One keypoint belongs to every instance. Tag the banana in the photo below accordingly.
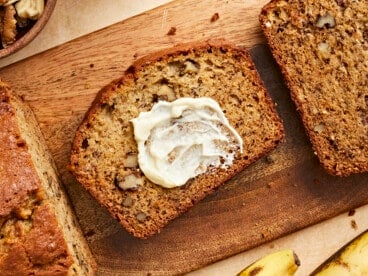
(352, 259)
(281, 263)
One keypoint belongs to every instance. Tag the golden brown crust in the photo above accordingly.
(42, 250)
(19, 182)
(169, 203)
(336, 131)
(32, 239)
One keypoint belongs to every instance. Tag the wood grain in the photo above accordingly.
(271, 198)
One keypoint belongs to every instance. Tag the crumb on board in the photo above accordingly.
(172, 31)
(91, 65)
(270, 159)
(215, 17)
(354, 224)
(351, 213)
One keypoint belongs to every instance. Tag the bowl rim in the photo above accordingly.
(31, 33)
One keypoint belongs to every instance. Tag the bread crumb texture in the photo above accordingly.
(36, 224)
(104, 153)
(322, 49)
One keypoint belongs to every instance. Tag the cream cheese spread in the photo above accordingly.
(181, 139)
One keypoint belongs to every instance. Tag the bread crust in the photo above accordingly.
(208, 181)
(15, 188)
(340, 165)
(32, 240)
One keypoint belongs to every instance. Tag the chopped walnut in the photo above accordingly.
(326, 21)
(7, 2)
(16, 14)
(9, 24)
(166, 93)
(129, 181)
(319, 128)
(191, 66)
(128, 201)
(141, 217)
(31, 9)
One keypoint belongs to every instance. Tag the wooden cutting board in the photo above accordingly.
(276, 196)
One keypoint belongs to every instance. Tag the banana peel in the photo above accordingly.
(352, 259)
(281, 263)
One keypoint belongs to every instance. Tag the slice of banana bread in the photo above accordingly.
(104, 153)
(322, 49)
(39, 234)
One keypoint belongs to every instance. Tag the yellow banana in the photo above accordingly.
(281, 263)
(351, 260)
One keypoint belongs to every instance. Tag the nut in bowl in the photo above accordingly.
(21, 21)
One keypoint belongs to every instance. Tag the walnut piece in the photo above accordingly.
(319, 128)
(323, 47)
(7, 2)
(130, 181)
(31, 9)
(167, 92)
(326, 21)
(16, 13)
(9, 26)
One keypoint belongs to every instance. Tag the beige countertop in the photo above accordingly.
(74, 18)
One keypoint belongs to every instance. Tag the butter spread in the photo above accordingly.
(181, 139)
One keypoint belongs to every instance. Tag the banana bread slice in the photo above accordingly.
(322, 49)
(104, 153)
(39, 234)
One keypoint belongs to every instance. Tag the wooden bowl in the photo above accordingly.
(30, 34)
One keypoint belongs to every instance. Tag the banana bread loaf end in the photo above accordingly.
(39, 234)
